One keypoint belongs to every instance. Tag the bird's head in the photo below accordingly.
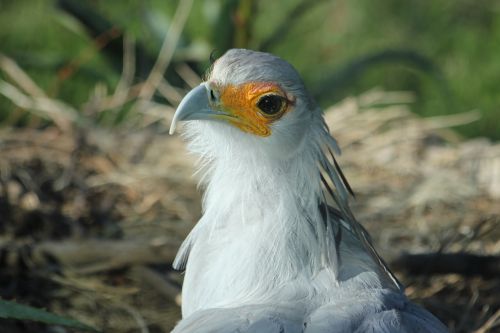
(250, 96)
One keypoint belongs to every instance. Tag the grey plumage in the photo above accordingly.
(269, 254)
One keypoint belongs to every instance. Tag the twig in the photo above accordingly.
(127, 77)
(171, 94)
(491, 323)
(459, 119)
(61, 114)
(91, 256)
(29, 86)
(188, 75)
(167, 49)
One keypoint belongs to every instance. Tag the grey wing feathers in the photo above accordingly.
(244, 319)
(413, 320)
(381, 312)
(183, 255)
(339, 192)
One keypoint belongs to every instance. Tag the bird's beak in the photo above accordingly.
(196, 106)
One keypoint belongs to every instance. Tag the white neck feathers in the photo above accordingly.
(261, 226)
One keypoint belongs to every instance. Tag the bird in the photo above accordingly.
(277, 248)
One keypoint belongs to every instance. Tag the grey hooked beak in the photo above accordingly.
(201, 103)
(193, 106)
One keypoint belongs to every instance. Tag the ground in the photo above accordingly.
(91, 216)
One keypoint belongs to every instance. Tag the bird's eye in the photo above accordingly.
(271, 104)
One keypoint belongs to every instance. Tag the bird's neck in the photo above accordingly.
(260, 230)
(276, 197)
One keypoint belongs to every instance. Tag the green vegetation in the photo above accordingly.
(12, 310)
(460, 37)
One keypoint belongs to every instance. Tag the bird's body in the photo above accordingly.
(269, 254)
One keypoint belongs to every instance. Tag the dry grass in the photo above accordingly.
(91, 216)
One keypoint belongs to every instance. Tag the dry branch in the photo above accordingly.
(24, 81)
(92, 255)
(167, 49)
(490, 324)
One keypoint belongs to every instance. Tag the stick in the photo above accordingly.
(92, 256)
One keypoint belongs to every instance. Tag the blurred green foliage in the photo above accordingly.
(15, 311)
(320, 37)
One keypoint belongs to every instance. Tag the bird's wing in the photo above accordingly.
(262, 318)
(357, 311)
(375, 311)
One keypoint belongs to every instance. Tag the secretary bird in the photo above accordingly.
(270, 254)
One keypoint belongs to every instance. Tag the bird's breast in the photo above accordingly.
(243, 263)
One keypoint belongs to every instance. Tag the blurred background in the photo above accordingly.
(95, 197)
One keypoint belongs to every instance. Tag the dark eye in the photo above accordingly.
(271, 104)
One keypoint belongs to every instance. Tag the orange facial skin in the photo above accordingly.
(240, 102)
